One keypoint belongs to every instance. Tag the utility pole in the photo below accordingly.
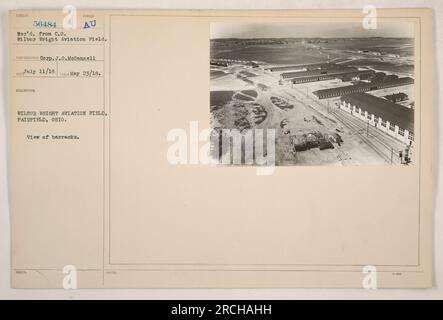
(367, 130)
(392, 155)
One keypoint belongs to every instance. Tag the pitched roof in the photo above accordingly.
(387, 110)
(319, 72)
(364, 87)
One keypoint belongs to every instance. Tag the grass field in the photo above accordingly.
(248, 74)
(291, 54)
(220, 98)
(382, 65)
(251, 93)
(242, 97)
(216, 74)
(297, 52)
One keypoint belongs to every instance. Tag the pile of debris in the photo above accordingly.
(259, 113)
(282, 104)
(315, 139)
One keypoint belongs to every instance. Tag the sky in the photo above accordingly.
(310, 30)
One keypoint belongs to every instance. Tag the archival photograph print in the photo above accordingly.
(313, 93)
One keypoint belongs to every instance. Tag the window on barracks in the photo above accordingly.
(392, 127)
